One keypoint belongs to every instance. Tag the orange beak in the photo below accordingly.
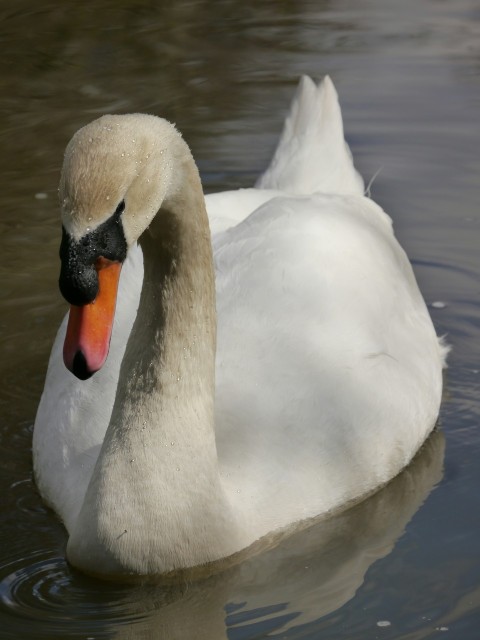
(90, 326)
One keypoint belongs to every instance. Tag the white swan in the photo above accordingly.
(328, 369)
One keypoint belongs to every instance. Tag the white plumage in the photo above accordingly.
(328, 371)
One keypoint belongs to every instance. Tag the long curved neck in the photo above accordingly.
(155, 502)
(167, 376)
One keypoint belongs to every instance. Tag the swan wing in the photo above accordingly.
(328, 366)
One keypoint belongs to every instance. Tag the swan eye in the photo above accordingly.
(120, 209)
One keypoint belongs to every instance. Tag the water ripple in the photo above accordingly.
(31, 590)
(45, 591)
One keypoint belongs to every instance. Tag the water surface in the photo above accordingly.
(406, 563)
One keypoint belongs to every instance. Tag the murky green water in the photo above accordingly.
(406, 563)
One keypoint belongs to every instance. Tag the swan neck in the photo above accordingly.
(155, 501)
(167, 378)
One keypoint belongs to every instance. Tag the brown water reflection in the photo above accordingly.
(409, 81)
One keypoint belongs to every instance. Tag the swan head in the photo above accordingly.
(117, 173)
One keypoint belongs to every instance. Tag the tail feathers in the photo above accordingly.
(312, 154)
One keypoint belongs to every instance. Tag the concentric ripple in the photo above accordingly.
(46, 595)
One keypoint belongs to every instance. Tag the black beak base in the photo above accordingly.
(78, 277)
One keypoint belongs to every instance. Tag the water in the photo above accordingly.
(409, 80)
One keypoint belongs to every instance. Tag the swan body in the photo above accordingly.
(323, 380)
